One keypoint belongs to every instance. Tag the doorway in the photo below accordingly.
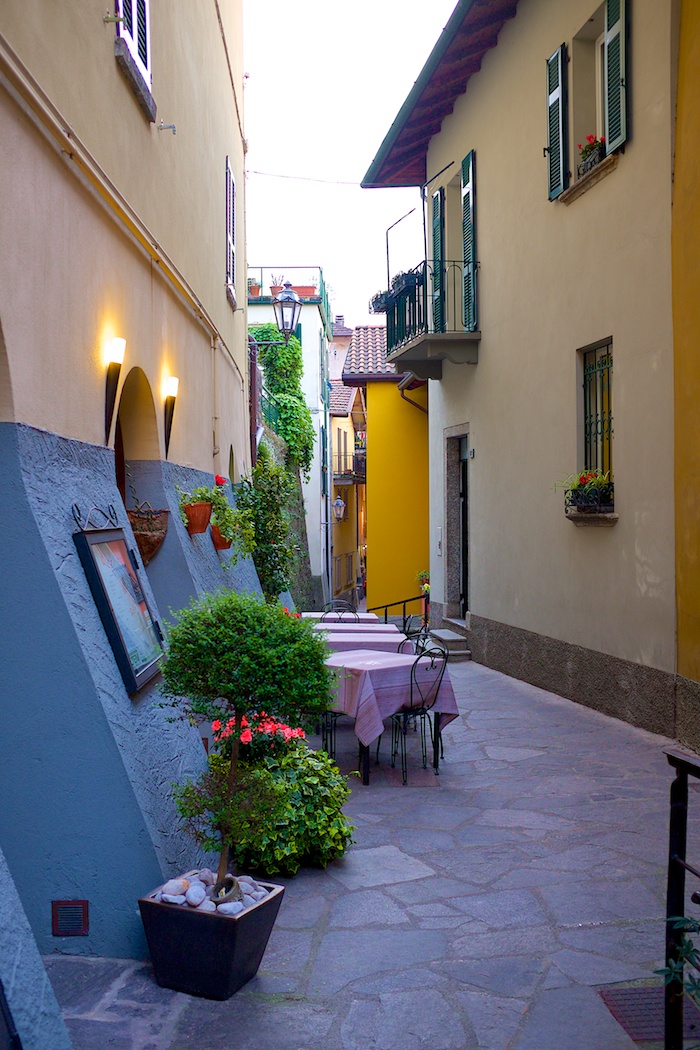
(463, 526)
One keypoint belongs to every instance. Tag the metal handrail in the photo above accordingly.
(403, 603)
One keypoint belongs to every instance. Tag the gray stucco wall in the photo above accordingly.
(35, 1012)
(86, 769)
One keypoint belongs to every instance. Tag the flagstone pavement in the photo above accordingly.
(481, 908)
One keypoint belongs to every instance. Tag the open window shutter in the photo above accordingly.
(615, 76)
(230, 226)
(438, 260)
(142, 31)
(469, 241)
(557, 139)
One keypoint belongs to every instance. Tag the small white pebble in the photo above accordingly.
(174, 898)
(230, 908)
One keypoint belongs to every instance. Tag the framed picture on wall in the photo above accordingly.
(134, 635)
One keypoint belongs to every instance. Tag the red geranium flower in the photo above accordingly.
(219, 480)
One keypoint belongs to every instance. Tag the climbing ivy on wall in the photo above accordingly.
(283, 366)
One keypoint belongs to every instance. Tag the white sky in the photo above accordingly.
(340, 72)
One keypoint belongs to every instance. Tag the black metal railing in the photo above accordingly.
(685, 766)
(426, 300)
(422, 610)
(349, 464)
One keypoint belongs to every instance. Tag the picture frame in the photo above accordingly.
(133, 633)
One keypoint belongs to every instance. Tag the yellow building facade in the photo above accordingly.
(686, 334)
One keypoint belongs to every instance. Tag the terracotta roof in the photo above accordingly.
(340, 329)
(471, 31)
(367, 354)
(341, 398)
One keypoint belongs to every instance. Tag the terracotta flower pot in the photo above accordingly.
(219, 540)
(198, 515)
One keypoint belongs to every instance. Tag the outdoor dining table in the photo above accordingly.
(383, 641)
(372, 686)
(346, 625)
(343, 617)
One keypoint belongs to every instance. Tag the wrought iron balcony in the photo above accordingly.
(349, 468)
(430, 316)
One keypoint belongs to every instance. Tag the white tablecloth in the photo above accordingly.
(372, 686)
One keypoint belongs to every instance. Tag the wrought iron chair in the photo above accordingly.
(339, 605)
(425, 687)
(341, 615)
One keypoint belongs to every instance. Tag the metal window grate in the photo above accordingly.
(69, 918)
(597, 409)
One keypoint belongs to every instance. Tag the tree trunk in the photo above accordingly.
(223, 859)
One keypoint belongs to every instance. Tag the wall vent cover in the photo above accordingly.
(69, 918)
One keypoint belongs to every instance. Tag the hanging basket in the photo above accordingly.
(149, 528)
(219, 540)
(198, 515)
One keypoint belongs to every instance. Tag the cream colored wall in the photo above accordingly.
(77, 273)
(552, 279)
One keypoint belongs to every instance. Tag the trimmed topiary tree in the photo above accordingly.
(229, 657)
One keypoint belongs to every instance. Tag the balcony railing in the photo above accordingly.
(349, 465)
(427, 300)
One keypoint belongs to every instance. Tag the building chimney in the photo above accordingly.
(340, 320)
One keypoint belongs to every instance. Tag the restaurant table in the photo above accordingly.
(374, 685)
(346, 617)
(382, 641)
(346, 625)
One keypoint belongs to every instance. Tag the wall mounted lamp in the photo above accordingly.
(171, 386)
(338, 506)
(287, 306)
(115, 360)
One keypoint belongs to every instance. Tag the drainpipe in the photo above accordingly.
(404, 383)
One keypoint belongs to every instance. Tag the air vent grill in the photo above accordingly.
(69, 918)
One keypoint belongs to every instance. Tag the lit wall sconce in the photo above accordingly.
(338, 509)
(115, 360)
(171, 385)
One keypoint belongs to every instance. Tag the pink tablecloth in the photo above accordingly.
(344, 625)
(345, 617)
(373, 685)
(382, 641)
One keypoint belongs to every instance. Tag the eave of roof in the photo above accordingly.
(471, 31)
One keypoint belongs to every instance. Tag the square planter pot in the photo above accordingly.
(205, 954)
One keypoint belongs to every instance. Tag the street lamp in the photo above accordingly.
(287, 306)
(338, 509)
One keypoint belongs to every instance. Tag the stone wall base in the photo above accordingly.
(643, 696)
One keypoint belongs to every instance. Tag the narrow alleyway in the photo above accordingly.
(484, 908)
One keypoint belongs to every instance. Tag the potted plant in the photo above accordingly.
(149, 528)
(230, 658)
(209, 503)
(379, 302)
(253, 287)
(404, 282)
(591, 153)
(588, 492)
(423, 578)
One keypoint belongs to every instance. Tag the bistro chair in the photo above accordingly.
(339, 605)
(427, 672)
(340, 615)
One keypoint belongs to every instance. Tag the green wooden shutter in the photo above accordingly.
(615, 76)
(557, 137)
(469, 242)
(438, 260)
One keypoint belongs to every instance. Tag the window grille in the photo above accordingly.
(597, 409)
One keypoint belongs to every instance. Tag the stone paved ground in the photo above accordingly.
(479, 909)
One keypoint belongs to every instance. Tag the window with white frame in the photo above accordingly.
(134, 29)
(230, 234)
